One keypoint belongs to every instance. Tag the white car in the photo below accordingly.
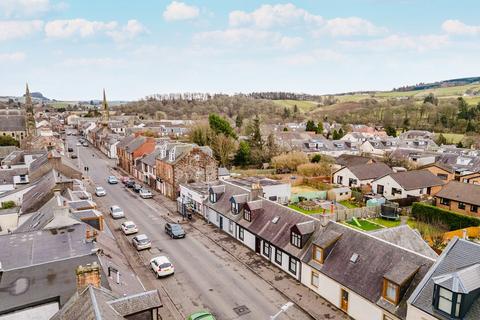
(161, 266)
(141, 242)
(116, 212)
(128, 227)
(145, 193)
(100, 191)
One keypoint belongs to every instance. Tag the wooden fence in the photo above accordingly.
(348, 214)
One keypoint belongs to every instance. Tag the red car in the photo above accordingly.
(124, 180)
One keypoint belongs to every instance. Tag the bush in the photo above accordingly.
(289, 161)
(314, 169)
(8, 204)
(431, 214)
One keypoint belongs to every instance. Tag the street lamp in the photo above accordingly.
(283, 308)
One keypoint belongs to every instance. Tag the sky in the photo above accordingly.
(72, 49)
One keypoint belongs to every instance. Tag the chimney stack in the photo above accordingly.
(256, 191)
(88, 275)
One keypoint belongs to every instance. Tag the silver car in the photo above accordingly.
(100, 191)
(116, 212)
(141, 242)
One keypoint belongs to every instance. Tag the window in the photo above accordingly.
(396, 191)
(387, 317)
(272, 198)
(230, 226)
(390, 291)
(473, 208)
(318, 254)
(445, 300)
(247, 215)
(296, 239)
(339, 179)
(445, 202)
(266, 249)
(213, 197)
(234, 207)
(380, 189)
(461, 205)
(314, 279)
(292, 265)
(442, 176)
(278, 256)
(240, 233)
(352, 182)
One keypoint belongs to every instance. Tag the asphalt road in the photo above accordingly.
(206, 277)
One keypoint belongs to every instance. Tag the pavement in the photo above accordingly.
(207, 276)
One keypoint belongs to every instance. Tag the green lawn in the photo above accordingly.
(386, 223)
(365, 225)
(453, 138)
(304, 106)
(297, 208)
(348, 204)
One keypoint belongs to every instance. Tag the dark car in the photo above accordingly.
(137, 187)
(130, 183)
(70, 149)
(174, 230)
(73, 156)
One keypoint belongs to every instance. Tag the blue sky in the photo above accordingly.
(71, 49)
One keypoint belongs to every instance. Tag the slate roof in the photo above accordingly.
(125, 141)
(247, 182)
(416, 179)
(376, 258)
(6, 175)
(99, 303)
(278, 233)
(459, 254)
(36, 197)
(223, 204)
(135, 144)
(461, 192)
(407, 238)
(464, 280)
(150, 159)
(369, 171)
(12, 123)
(347, 160)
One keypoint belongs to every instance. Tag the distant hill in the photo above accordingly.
(440, 84)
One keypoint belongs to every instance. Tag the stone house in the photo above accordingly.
(183, 163)
(134, 149)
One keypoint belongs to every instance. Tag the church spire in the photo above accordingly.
(30, 116)
(106, 112)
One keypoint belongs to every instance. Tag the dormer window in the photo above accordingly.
(317, 255)
(391, 291)
(296, 239)
(234, 207)
(447, 301)
(213, 197)
(247, 215)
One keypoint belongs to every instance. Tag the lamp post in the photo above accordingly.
(283, 308)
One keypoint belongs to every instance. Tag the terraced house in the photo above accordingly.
(132, 148)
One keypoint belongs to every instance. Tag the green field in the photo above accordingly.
(365, 225)
(304, 106)
(453, 138)
(296, 208)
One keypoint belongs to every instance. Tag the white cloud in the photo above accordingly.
(132, 29)
(268, 16)
(24, 7)
(240, 36)
(352, 26)
(180, 11)
(314, 56)
(420, 43)
(77, 27)
(15, 29)
(290, 42)
(12, 57)
(92, 62)
(456, 27)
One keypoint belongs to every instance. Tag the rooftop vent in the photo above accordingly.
(275, 220)
(354, 258)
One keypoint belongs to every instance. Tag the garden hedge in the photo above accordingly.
(431, 214)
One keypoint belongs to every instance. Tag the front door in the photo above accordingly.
(220, 222)
(258, 244)
(344, 300)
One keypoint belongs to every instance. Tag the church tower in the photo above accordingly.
(30, 115)
(105, 111)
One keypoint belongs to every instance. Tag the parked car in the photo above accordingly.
(70, 149)
(130, 183)
(161, 266)
(137, 187)
(174, 230)
(100, 191)
(201, 315)
(124, 180)
(112, 180)
(141, 242)
(85, 143)
(116, 212)
(73, 156)
(79, 144)
(145, 193)
(128, 227)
